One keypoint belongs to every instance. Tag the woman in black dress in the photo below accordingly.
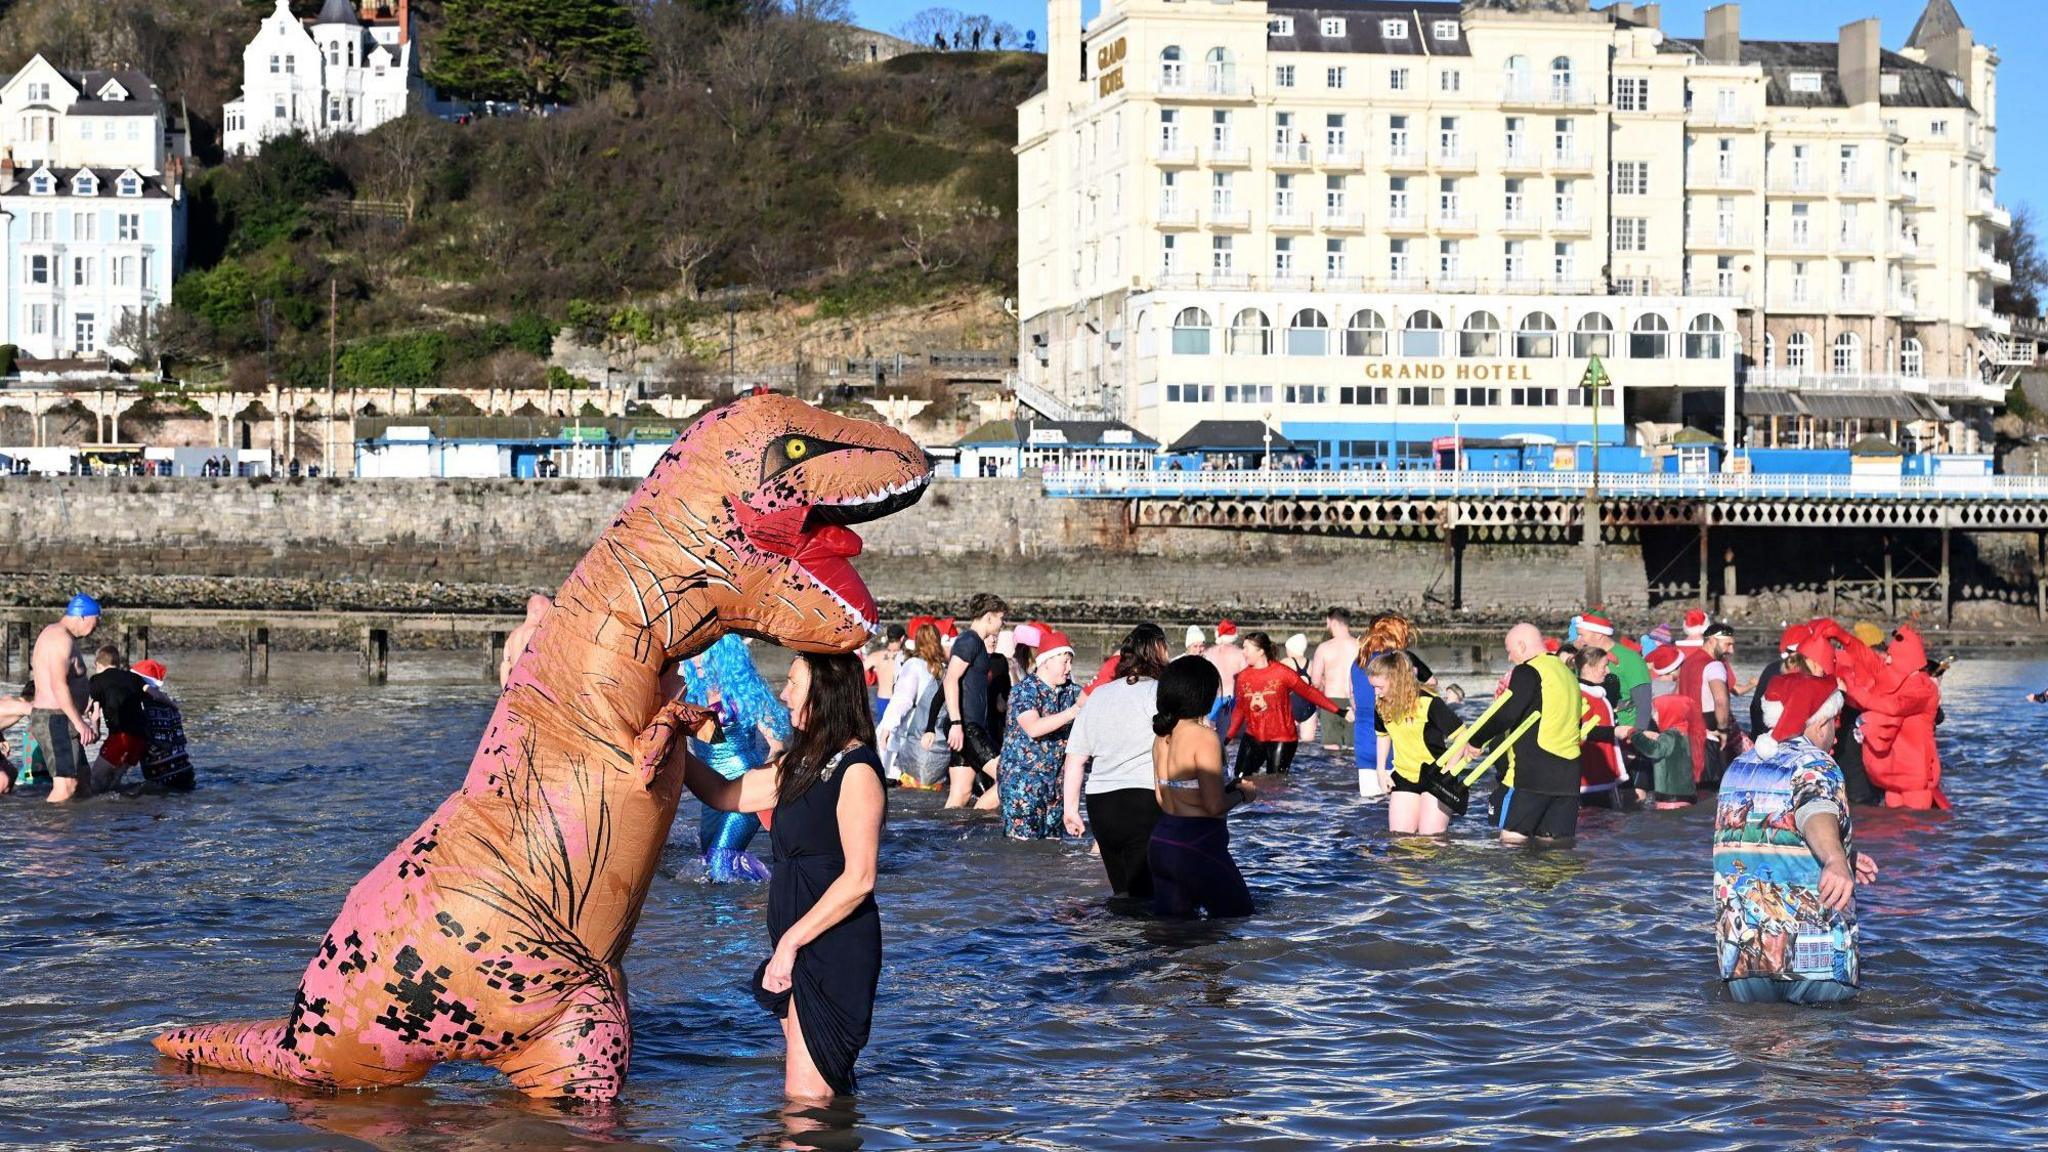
(828, 803)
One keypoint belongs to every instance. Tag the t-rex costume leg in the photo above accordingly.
(495, 932)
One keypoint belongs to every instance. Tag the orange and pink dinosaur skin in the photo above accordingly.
(495, 932)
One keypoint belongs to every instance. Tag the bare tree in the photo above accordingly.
(406, 151)
(684, 252)
(2019, 247)
(927, 247)
(166, 333)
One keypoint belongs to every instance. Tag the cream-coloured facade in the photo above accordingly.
(1367, 223)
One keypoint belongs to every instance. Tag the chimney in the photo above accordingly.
(1063, 48)
(1856, 61)
(404, 21)
(7, 171)
(1954, 54)
(1652, 15)
(1724, 34)
(1623, 10)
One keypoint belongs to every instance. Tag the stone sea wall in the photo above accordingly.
(462, 545)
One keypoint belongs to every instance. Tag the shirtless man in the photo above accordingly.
(1330, 671)
(517, 640)
(1229, 660)
(58, 721)
(883, 665)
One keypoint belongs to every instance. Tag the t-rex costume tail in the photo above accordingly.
(495, 932)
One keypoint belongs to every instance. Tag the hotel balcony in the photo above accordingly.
(1987, 207)
(1905, 304)
(1405, 220)
(1455, 160)
(1538, 94)
(1228, 156)
(1343, 221)
(1292, 156)
(1859, 184)
(1291, 219)
(1914, 251)
(1716, 239)
(1985, 318)
(1714, 178)
(1568, 285)
(1858, 243)
(1522, 159)
(1174, 155)
(1230, 281)
(1404, 157)
(1714, 287)
(1524, 286)
(1224, 216)
(1968, 388)
(1457, 222)
(1810, 301)
(1985, 263)
(1340, 160)
(1178, 84)
(1290, 283)
(1524, 221)
(1456, 283)
(1718, 117)
(1861, 302)
(1345, 284)
(1570, 160)
(1793, 182)
(1570, 222)
(1402, 282)
(1176, 216)
(1787, 240)
(1902, 187)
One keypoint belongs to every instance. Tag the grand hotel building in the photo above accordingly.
(1365, 223)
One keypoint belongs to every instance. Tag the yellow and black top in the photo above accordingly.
(1543, 758)
(1420, 737)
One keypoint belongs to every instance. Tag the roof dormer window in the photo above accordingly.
(129, 185)
(1280, 26)
(85, 183)
(1394, 29)
(1445, 29)
(1333, 26)
(1806, 82)
(42, 184)
(112, 90)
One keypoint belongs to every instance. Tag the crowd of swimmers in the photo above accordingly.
(88, 727)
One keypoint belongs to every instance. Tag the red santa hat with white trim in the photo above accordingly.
(1597, 624)
(1695, 630)
(1793, 703)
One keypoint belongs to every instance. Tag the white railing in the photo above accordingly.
(1229, 154)
(1291, 154)
(1974, 388)
(1711, 176)
(1549, 95)
(1717, 115)
(1523, 157)
(1571, 160)
(1454, 158)
(1714, 237)
(1428, 483)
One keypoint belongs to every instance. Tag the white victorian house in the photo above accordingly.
(347, 70)
(92, 207)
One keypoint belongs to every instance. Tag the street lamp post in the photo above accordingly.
(1594, 381)
(1457, 443)
(1266, 423)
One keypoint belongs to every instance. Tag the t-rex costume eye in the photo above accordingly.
(495, 933)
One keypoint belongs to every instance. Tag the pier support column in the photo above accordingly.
(1891, 588)
(25, 638)
(7, 649)
(376, 655)
(1705, 554)
(1591, 527)
(1458, 568)
(256, 654)
(1948, 599)
(142, 641)
(495, 645)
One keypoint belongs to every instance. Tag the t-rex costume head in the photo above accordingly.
(495, 932)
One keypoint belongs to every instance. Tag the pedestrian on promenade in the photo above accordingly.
(1111, 747)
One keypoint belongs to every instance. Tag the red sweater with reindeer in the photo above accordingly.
(1265, 703)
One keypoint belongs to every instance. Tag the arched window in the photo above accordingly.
(1847, 357)
(1191, 333)
(1704, 338)
(1366, 334)
(1514, 75)
(1423, 335)
(1770, 353)
(1251, 334)
(1171, 72)
(1308, 334)
(1536, 337)
(1222, 70)
(1561, 78)
(1650, 339)
(1479, 335)
(1798, 352)
(1594, 336)
(1912, 361)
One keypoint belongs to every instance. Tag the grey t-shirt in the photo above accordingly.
(974, 682)
(1115, 728)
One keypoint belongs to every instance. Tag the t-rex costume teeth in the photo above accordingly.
(495, 932)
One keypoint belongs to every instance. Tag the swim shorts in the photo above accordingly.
(1332, 728)
(976, 749)
(123, 749)
(1411, 787)
(1540, 817)
(62, 753)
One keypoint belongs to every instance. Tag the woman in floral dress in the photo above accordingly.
(1042, 710)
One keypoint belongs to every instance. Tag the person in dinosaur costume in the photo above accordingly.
(496, 931)
(1900, 702)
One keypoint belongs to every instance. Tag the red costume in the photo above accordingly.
(1899, 701)
(1264, 703)
(1600, 766)
(1680, 712)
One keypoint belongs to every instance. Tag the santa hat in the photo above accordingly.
(1225, 632)
(1055, 643)
(1597, 624)
(154, 669)
(1196, 635)
(948, 627)
(1695, 622)
(1815, 650)
(1793, 637)
(1552, 645)
(1690, 640)
(1664, 660)
(1793, 703)
(1030, 635)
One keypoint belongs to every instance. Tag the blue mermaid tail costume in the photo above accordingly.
(723, 676)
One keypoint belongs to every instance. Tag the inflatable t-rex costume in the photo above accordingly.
(495, 932)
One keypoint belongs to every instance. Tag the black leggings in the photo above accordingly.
(1121, 822)
(1254, 756)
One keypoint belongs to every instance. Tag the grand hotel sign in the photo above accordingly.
(1465, 370)
(1109, 68)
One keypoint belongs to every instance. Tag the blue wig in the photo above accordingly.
(745, 706)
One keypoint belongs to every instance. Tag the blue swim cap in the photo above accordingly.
(82, 606)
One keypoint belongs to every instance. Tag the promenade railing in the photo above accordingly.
(1426, 483)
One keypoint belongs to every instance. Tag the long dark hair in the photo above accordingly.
(836, 714)
(1264, 644)
(1187, 690)
(1137, 658)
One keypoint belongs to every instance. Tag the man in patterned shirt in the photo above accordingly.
(1785, 868)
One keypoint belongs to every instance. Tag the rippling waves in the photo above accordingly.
(1431, 996)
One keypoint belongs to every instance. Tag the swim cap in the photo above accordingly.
(82, 606)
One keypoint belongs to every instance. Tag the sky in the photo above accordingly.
(2002, 24)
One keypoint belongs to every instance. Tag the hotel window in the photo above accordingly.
(1280, 26)
(1724, 159)
(291, 65)
(121, 269)
(1283, 136)
(1632, 178)
(42, 226)
(38, 319)
(1563, 261)
(129, 186)
(1220, 189)
(1333, 26)
(1308, 334)
(1333, 259)
(1283, 197)
(1169, 194)
(1444, 29)
(1631, 234)
(1802, 225)
(1724, 275)
(39, 269)
(1219, 130)
(1168, 263)
(1536, 337)
(42, 184)
(277, 110)
(1704, 338)
(85, 129)
(1912, 362)
(1807, 82)
(1418, 397)
(1169, 131)
(1250, 334)
(1220, 255)
(1365, 334)
(1632, 94)
(1847, 283)
(1397, 260)
(1306, 394)
(1397, 79)
(1333, 135)
(1283, 76)
(85, 184)
(1397, 138)
(1397, 199)
(1515, 265)
(1564, 140)
(1334, 77)
(1514, 204)
(1561, 79)
(1517, 142)
(1283, 258)
(84, 333)
(1448, 140)
(1846, 166)
(1333, 196)
(1564, 202)
(1514, 76)
(274, 67)
(1888, 84)
(1447, 201)
(1394, 29)
(1800, 285)
(1846, 357)
(85, 226)
(81, 271)
(1938, 128)
(1650, 339)
(1172, 72)
(1594, 336)
(1475, 397)
(1191, 333)
(1422, 335)
(1222, 70)
(1451, 80)
(1479, 336)
(1849, 233)
(1798, 352)
(1449, 259)
(1247, 393)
